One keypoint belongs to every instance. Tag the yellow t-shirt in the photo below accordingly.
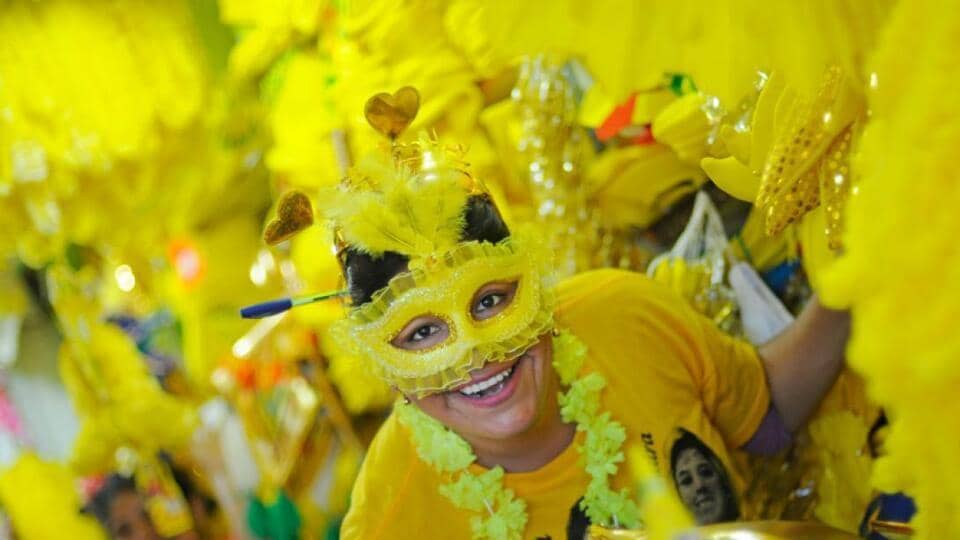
(673, 380)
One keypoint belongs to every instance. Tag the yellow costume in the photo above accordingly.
(668, 369)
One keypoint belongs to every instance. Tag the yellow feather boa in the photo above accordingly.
(901, 270)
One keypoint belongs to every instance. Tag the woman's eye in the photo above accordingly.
(423, 333)
(489, 301)
(492, 298)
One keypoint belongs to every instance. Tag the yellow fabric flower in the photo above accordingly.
(739, 173)
(685, 127)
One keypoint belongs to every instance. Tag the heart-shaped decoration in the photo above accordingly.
(391, 114)
(294, 214)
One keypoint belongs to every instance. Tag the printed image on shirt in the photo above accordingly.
(702, 481)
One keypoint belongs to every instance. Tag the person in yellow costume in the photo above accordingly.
(520, 393)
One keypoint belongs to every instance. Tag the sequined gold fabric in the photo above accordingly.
(808, 164)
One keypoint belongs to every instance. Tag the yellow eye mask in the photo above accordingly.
(445, 287)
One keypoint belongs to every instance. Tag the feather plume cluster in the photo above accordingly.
(388, 207)
(900, 271)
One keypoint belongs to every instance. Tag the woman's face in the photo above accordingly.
(700, 487)
(502, 399)
(129, 520)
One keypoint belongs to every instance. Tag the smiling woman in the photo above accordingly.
(472, 408)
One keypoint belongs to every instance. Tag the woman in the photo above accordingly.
(521, 394)
(119, 508)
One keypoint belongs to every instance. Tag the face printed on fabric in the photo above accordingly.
(702, 481)
(447, 317)
(699, 485)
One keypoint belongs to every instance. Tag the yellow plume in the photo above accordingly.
(389, 209)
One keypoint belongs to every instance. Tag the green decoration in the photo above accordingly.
(278, 520)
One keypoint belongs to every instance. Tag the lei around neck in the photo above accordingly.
(498, 513)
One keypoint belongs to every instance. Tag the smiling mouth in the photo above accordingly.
(492, 385)
(704, 500)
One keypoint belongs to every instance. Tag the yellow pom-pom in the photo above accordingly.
(662, 512)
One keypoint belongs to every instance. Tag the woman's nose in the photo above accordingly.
(699, 486)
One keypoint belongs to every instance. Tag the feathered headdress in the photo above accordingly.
(408, 200)
(411, 203)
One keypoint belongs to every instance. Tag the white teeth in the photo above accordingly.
(489, 383)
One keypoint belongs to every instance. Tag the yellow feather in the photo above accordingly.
(365, 222)
(432, 207)
(413, 214)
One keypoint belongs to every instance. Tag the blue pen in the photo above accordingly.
(273, 307)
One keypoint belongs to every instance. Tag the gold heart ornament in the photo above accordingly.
(294, 214)
(391, 114)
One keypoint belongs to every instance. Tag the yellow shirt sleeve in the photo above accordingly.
(655, 325)
(733, 382)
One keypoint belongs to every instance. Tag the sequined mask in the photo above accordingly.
(446, 287)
